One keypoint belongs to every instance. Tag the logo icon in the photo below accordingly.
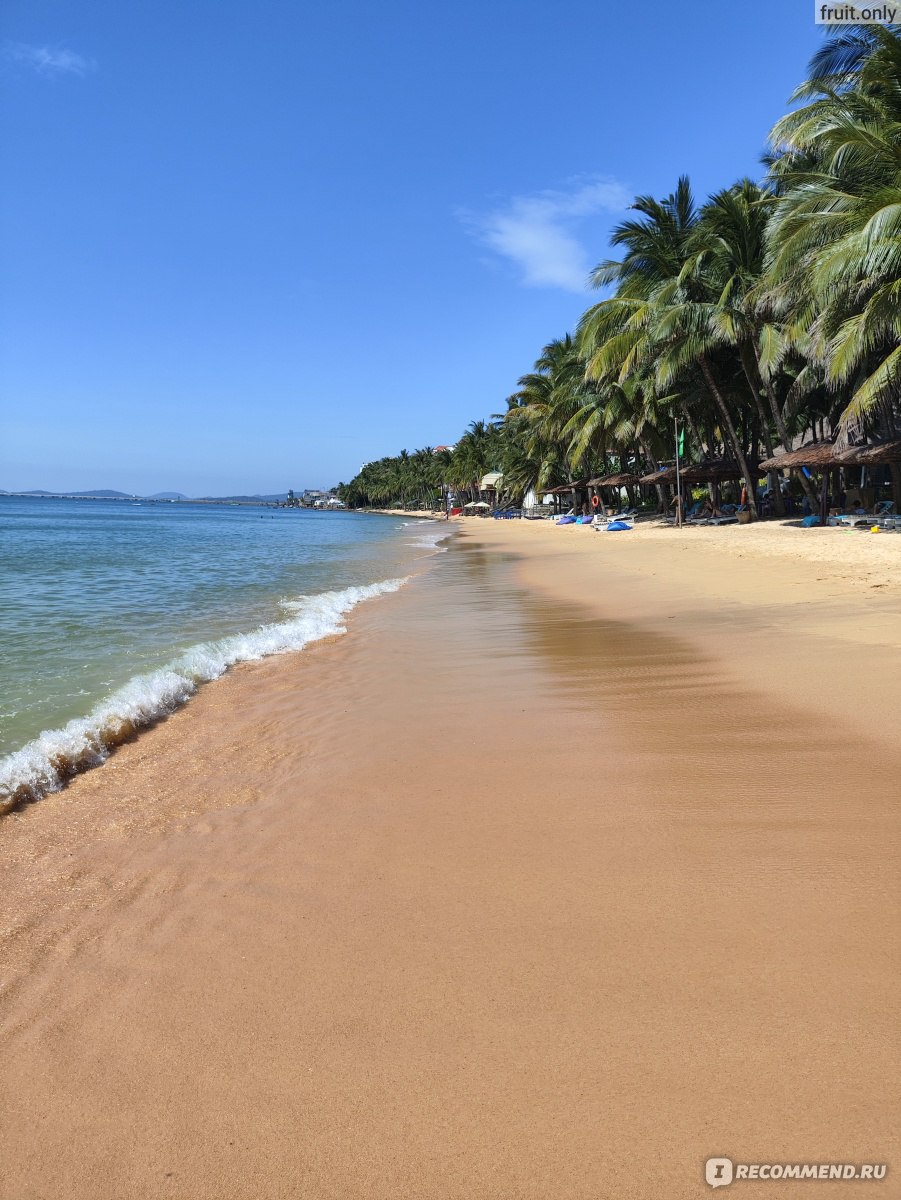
(718, 1172)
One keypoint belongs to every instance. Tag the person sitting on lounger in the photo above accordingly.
(708, 509)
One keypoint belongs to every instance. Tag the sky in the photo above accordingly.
(248, 245)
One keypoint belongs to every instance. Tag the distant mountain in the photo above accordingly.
(109, 494)
(98, 494)
(103, 494)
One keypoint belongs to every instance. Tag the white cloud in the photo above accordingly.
(538, 233)
(49, 60)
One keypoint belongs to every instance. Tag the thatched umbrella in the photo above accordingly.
(879, 454)
(819, 455)
(623, 479)
(662, 475)
(823, 456)
(577, 485)
(712, 471)
(876, 455)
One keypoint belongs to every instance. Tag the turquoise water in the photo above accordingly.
(112, 613)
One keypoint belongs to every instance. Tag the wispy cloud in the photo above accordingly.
(539, 233)
(48, 60)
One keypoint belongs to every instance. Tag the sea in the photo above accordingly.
(114, 613)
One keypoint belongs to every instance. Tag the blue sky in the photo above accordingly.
(251, 245)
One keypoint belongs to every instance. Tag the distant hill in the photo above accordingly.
(98, 494)
(104, 494)
(109, 494)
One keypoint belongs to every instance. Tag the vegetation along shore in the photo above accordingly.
(764, 320)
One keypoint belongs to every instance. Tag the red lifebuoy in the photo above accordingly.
(595, 502)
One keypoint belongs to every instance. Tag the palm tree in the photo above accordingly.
(769, 312)
(557, 414)
(658, 324)
(835, 237)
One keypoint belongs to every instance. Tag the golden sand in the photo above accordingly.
(574, 863)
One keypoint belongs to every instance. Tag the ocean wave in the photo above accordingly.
(431, 537)
(56, 755)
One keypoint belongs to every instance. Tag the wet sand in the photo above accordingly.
(556, 876)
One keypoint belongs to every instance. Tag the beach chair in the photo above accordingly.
(694, 515)
(886, 515)
(882, 515)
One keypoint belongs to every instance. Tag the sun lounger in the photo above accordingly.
(883, 514)
(611, 526)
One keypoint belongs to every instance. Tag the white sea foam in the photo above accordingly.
(431, 536)
(46, 763)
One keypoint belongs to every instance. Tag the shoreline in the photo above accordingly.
(56, 756)
(439, 907)
(401, 512)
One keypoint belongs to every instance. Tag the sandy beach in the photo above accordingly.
(573, 864)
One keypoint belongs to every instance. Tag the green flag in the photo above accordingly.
(681, 442)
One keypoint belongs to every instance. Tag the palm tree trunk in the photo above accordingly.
(751, 369)
(696, 434)
(729, 428)
(663, 497)
(786, 441)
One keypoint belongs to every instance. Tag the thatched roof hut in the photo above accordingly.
(874, 455)
(576, 486)
(623, 479)
(815, 454)
(663, 475)
(712, 471)
(823, 456)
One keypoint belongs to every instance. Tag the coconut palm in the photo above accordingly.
(835, 236)
(659, 324)
(767, 313)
